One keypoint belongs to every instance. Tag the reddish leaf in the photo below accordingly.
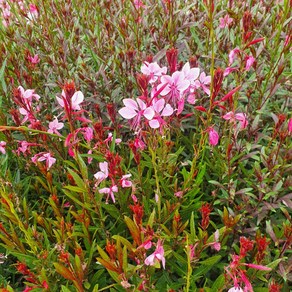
(64, 272)
(255, 41)
(200, 108)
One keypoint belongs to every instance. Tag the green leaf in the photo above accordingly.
(65, 289)
(2, 79)
(211, 261)
(219, 283)
(78, 180)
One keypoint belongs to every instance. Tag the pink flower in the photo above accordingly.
(174, 85)
(110, 192)
(87, 133)
(191, 98)
(225, 21)
(125, 182)
(139, 144)
(2, 147)
(138, 4)
(44, 157)
(153, 71)
(241, 117)
(249, 62)
(213, 137)
(34, 60)
(103, 173)
(191, 74)
(136, 109)
(76, 100)
(28, 94)
(157, 256)
(161, 110)
(54, 126)
(110, 139)
(203, 82)
(24, 147)
(33, 12)
(232, 55)
(235, 289)
(228, 70)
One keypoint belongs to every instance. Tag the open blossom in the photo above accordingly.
(156, 256)
(191, 74)
(139, 4)
(54, 126)
(87, 133)
(232, 55)
(125, 182)
(33, 11)
(153, 71)
(110, 192)
(241, 117)
(161, 110)
(203, 82)
(103, 173)
(43, 156)
(110, 139)
(28, 95)
(225, 21)
(75, 101)
(235, 289)
(136, 110)
(34, 60)
(174, 85)
(2, 147)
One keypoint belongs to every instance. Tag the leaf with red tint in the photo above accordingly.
(255, 41)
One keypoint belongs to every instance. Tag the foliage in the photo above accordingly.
(145, 146)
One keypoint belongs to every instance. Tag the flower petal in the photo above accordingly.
(149, 113)
(127, 113)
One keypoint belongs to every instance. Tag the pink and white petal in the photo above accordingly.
(164, 91)
(166, 79)
(180, 106)
(167, 111)
(186, 68)
(207, 80)
(149, 261)
(206, 89)
(130, 103)
(23, 111)
(104, 167)
(228, 116)
(183, 85)
(104, 191)
(195, 72)
(127, 113)
(154, 124)
(28, 93)
(115, 188)
(52, 160)
(141, 104)
(76, 99)
(149, 113)
(60, 101)
(159, 105)
(145, 68)
(177, 77)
